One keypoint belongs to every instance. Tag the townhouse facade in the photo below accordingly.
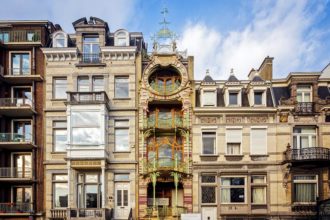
(91, 121)
(21, 118)
(261, 146)
(92, 126)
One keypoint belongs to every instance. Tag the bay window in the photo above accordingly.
(305, 188)
(86, 129)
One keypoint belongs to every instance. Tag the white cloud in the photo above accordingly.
(282, 29)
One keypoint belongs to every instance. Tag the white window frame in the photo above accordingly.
(263, 96)
(229, 187)
(240, 141)
(237, 90)
(53, 187)
(54, 87)
(115, 83)
(258, 185)
(54, 128)
(209, 184)
(123, 35)
(304, 91)
(57, 36)
(214, 101)
(316, 181)
(215, 145)
(127, 127)
(309, 135)
(251, 144)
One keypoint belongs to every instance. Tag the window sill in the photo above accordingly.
(58, 100)
(58, 152)
(121, 99)
(120, 152)
(237, 157)
(208, 157)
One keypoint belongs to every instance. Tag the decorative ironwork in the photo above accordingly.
(58, 214)
(16, 207)
(208, 179)
(89, 213)
(172, 119)
(90, 58)
(15, 172)
(310, 153)
(304, 108)
(14, 137)
(88, 97)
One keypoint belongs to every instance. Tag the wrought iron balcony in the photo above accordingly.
(165, 164)
(164, 123)
(317, 154)
(304, 108)
(165, 89)
(80, 213)
(20, 75)
(87, 98)
(15, 173)
(20, 36)
(10, 208)
(90, 58)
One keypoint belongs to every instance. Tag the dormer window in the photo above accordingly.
(121, 38)
(304, 93)
(209, 98)
(258, 100)
(60, 40)
(233, 98)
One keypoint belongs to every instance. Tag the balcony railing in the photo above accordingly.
(15, 172)
(16, 208)
(308, 154)
(304, 108)
(166, 164)
(166, 211)
(57, 214)
(15, 102)
(165, 123)
(87, 97)
(89, 213)
(19, 71)
(14, 137)
(90, 58)
(165, 89)
(20, 36)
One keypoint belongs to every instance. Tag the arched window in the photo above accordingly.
(60, 40)
(121, 38)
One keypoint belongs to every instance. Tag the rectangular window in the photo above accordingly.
(208, 189)
(258, 98)
(233, 139)
(98, 83)
(4, 37)
(209, 98)
(122, 135)
(83, 84)
(258, 141)
(258, 189)
(20, 64)
(209, 143)
(121, 177)
(305, 188)
(86, 128)
(89, 192)
(304, 137)
(304, 93)
(59, 88)
(91, 49)
(60, 191)
(30, 36)
(232, 189)
(59, 136)
(233, 98)
(121, 87)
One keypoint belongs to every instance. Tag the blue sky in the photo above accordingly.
(220, 34)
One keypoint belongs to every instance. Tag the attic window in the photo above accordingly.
(60, 40)
(121, 38)
(233, 98)
(209, 98)
(258, 97)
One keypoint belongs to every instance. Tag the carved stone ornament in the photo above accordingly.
(208, 120)
(284, 118)
(255, 119)
(234, 120)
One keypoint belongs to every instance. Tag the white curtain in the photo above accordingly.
(305, 192)
(258, 195)
(225, 192)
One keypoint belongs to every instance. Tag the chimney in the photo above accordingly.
(266, 68)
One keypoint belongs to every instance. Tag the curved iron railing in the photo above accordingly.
(165, 123)
(310, 153)
(165, 89)
(166, 164)
(304, 108)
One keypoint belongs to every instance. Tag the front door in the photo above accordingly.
(122, 206)
(209, 213)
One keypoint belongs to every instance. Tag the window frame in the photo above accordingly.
(54, 181)
(237, 97)
(208, 184)
(54, 87)
(309, 135)
(251, 139)
(29, 72)
(316, 181)
(122, 127)
(262, 98)
(304, 91)
(258, 185)
(115, 86)
(229, 187)
(215, 151)
(83, 185)
(240, 142)
(56, 128)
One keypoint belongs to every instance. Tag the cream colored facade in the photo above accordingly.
(114, 187)
(269, 143)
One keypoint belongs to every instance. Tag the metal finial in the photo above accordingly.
(232, 71)
(207, 72)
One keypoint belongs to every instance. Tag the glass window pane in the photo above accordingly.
(237, 195)
(208, 194)
(59, 124)
(233, 98)
(119, 198)
(121, 87)
(258, 179)
(91, 192)
(233, 148)
(121, 139)
(259, 195)
(125, 197)
(305, 192)
(208, 179)
(121, 123)
(86, 136)
(258, 98)
(60, 177)
(60, 195)
(121, 177)
(85, 118)
(60, 88)
(83, 84)
(98, 84)
(208, 142)
(91, 178)
(60, 140)
(209, 98)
